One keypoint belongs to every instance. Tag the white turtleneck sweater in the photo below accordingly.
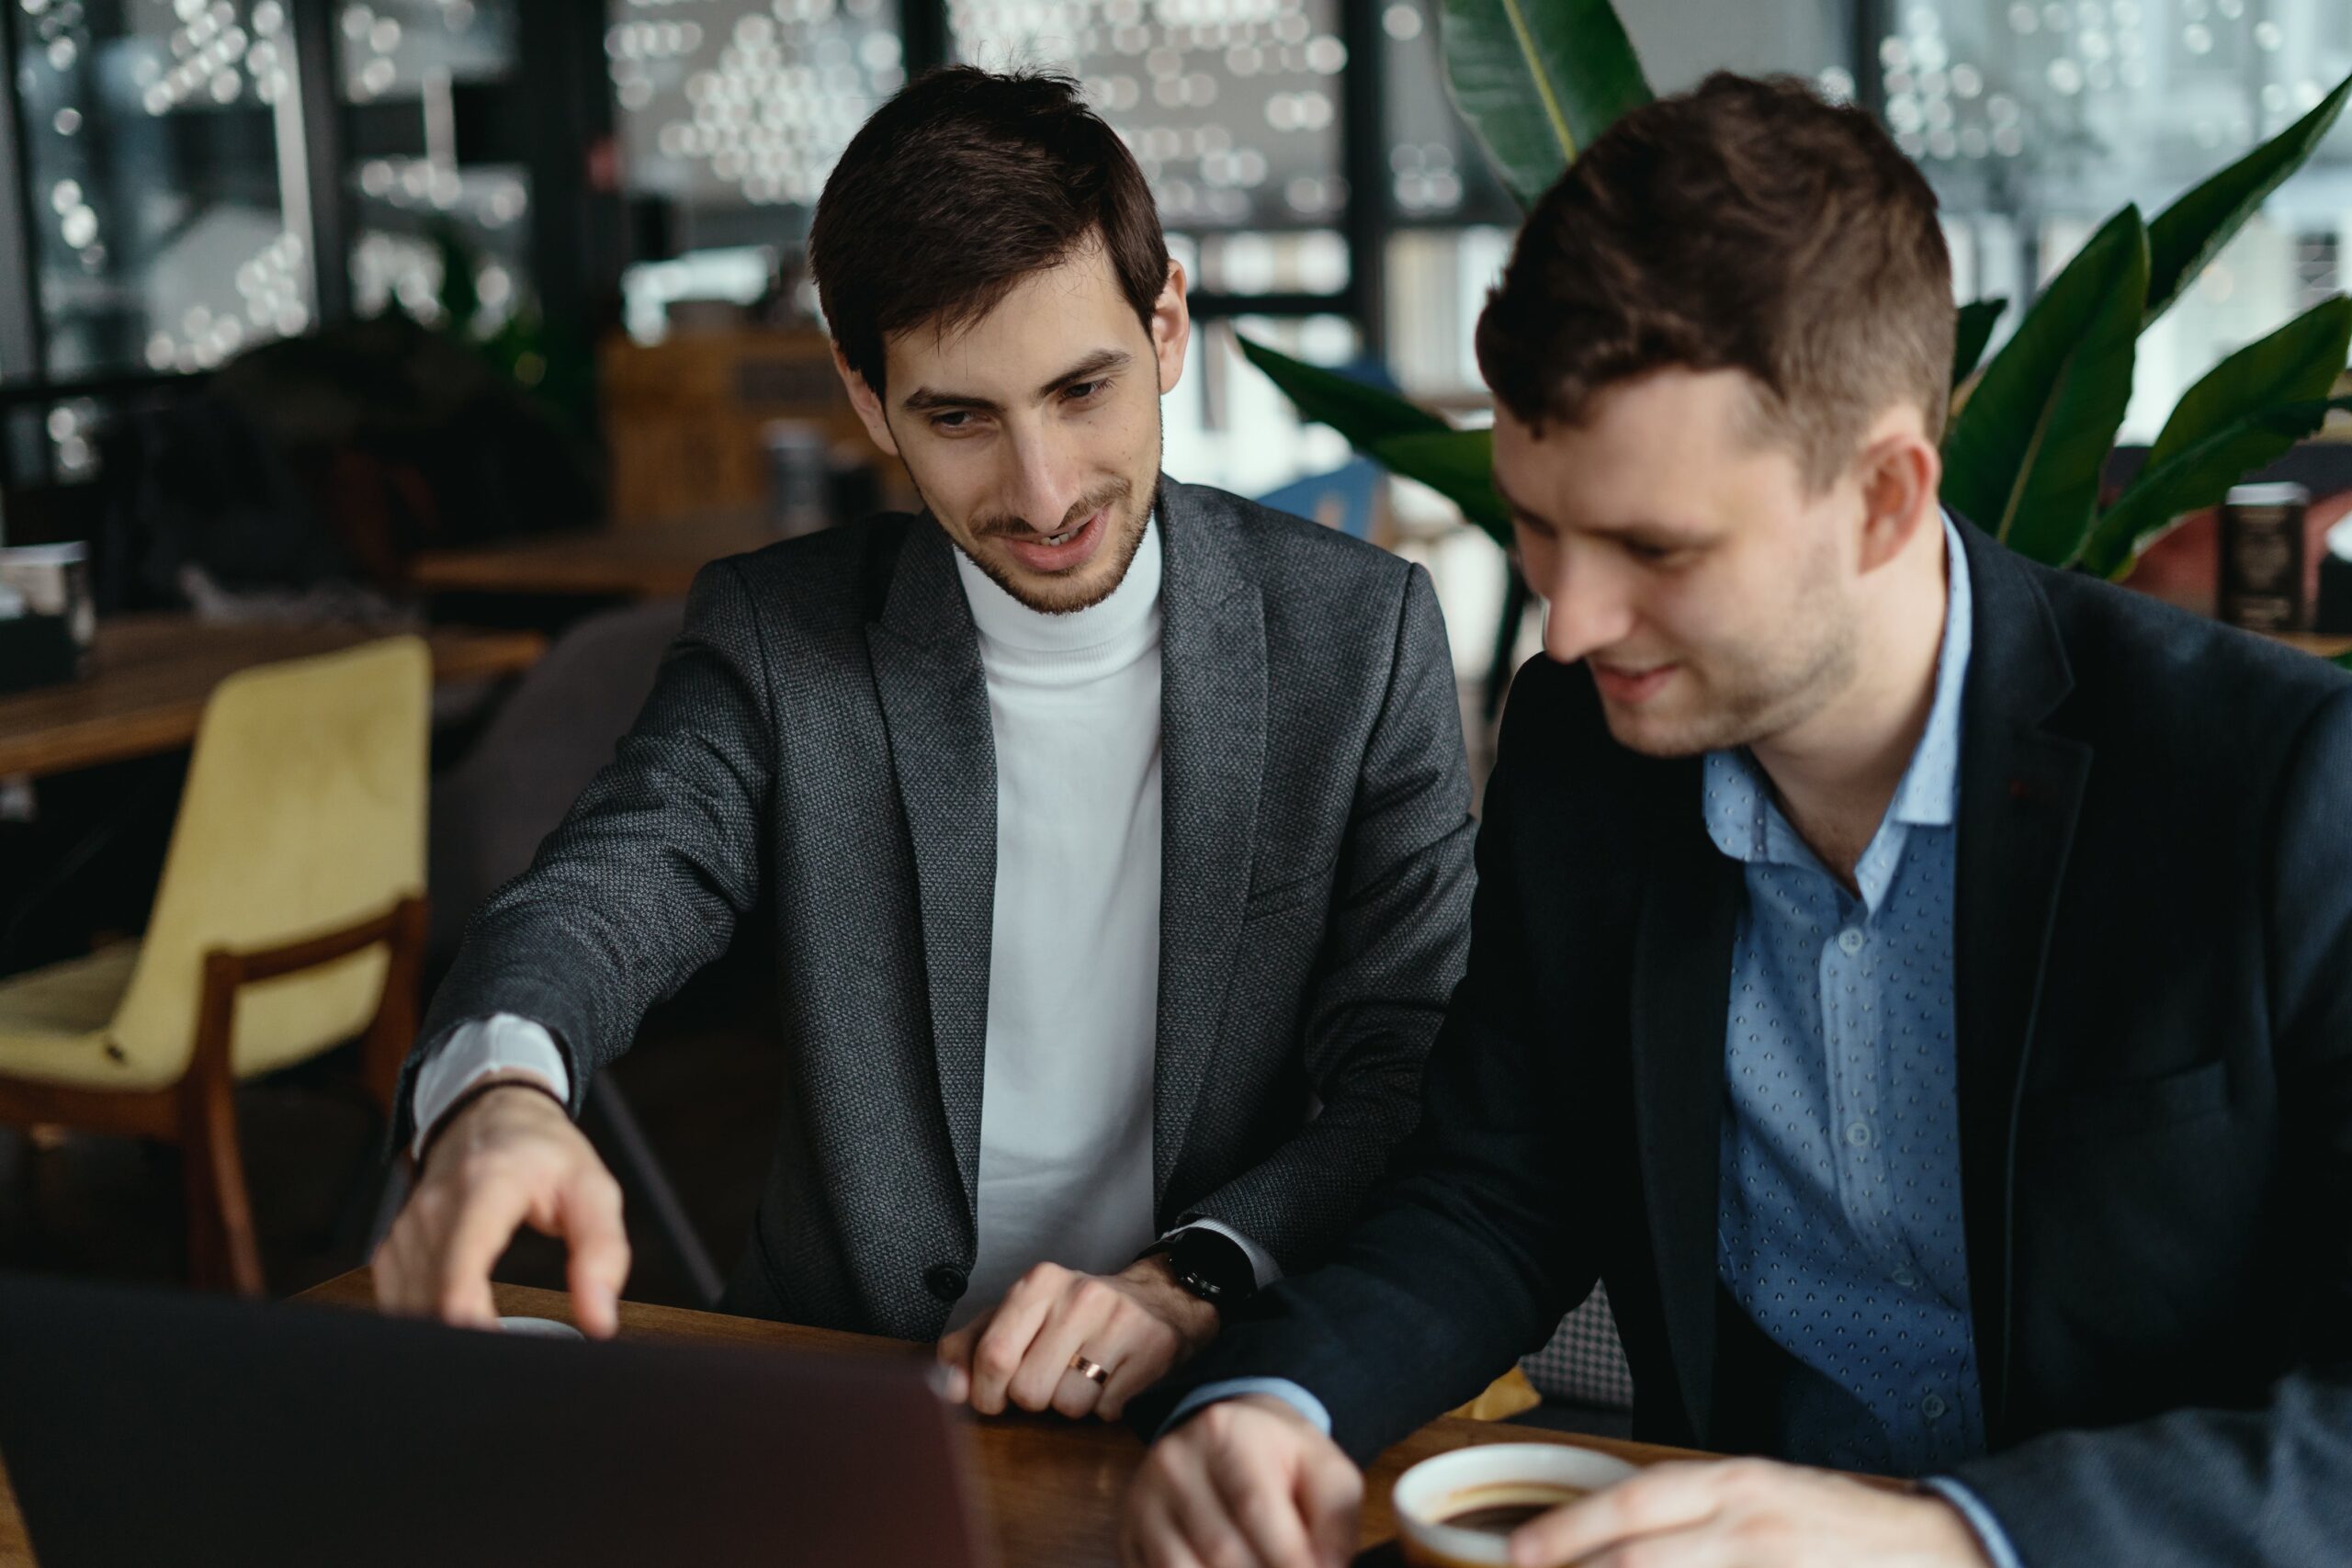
(1074, 947)
(1066, 1130)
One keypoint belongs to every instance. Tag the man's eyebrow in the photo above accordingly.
(1101, 362)
(1523, 514)
(1649, 531)
(922, 400)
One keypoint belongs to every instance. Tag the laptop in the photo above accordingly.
(144, 1427)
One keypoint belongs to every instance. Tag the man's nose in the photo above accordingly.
(1585, 608)
(1044, 483)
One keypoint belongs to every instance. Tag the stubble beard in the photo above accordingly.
(1125, 527)
(1753, 694)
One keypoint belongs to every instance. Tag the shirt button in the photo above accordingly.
(1850, 940)
(944, 1281)
(1905, 1278)
(1858, 1135)
(1932, 1407)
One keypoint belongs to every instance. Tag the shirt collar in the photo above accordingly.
(1736, 800)
(1929, 795)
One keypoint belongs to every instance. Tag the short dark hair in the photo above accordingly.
(960, 187)
(1744, 225)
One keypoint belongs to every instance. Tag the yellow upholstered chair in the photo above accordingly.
(291, 919)
(1508, 1395)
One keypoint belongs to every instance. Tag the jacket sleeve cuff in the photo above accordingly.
(1998, 1550)
(1261, 1263)
(1289, 1393)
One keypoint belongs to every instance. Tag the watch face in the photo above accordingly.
(1212, 1267)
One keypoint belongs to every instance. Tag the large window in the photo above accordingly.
(163, 152)
(2037, 118)
(418, 212)
(1232, 110)
(725, 104)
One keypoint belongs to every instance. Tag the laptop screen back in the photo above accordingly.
(152, 1429)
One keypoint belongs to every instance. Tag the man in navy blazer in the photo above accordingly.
(1917, 982)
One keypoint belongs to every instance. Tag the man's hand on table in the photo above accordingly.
(1245, 1480)
(1251, 1482)
(510, 1157)
(1749, 1514)
(1135, 1325)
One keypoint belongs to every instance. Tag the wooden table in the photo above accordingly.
(650, 561)
(150, 675)
(1051, 1488)
(2323, 645)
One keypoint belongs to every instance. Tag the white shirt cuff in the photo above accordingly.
(1261, 1263)
(1989, 1533)
(1289, 1393)
(476, 1048)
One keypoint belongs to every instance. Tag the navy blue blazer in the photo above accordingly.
(2153, 970)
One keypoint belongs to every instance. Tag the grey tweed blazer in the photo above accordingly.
(818, 741)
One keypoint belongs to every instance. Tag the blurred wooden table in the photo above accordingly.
(1050, 1488)
(150, 675)
(649, 561)
(2322, 645)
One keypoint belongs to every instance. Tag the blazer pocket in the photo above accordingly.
(2136, 1105)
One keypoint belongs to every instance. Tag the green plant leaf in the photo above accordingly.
(2191, 232)
(2221, 427)
(2023, 457)
(1457, 464)
(1364, 414)
(1537, 80)
(2195, 476)
(1977, 320)
(2297, 363)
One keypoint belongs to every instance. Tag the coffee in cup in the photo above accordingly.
(1460, 1509)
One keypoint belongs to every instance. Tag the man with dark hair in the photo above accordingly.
(1918, 982)
(1115, 831)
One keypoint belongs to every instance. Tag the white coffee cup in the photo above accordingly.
(1489, 1475)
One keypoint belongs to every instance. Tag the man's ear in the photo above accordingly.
(868, 406)
(1900, 472)
(1171, 328)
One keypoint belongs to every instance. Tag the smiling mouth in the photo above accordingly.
(1031, 536)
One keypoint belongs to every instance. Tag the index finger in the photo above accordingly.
(486, 1222)
(1001, 1350)
(954, 1353)
(590, 1219)
(1330, 1493)
(1265, 1510)
(955, 1349)
(1663, 1497)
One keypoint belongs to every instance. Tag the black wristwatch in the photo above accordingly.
(1210, 1265)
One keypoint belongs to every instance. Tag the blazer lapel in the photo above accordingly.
(926, 657)
(1682, 996)
(1213, 749)
(2021, 789)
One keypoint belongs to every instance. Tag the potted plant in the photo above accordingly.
(2027, 446)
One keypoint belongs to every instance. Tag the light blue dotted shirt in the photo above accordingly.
(1840, 1231)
